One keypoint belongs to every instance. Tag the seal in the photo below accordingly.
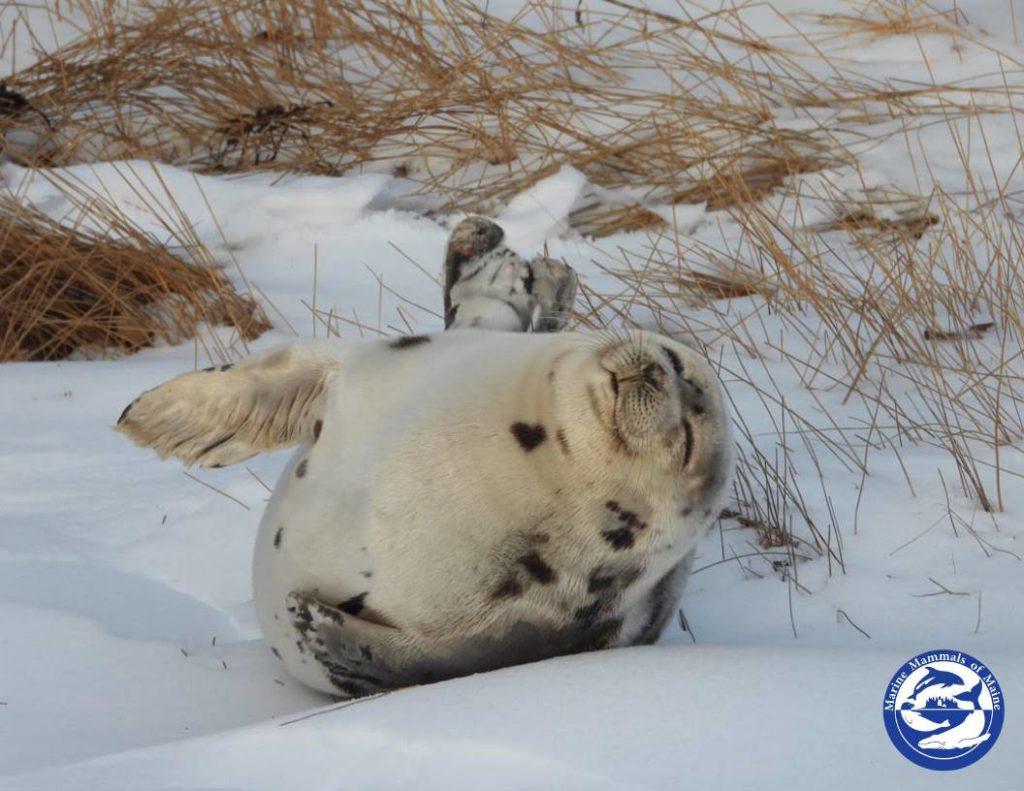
(461, 501)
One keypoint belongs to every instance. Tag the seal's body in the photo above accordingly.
(461, 501)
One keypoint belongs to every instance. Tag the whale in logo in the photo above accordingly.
(942, 705)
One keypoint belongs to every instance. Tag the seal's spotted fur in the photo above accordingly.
(462, 501)
(437, 527)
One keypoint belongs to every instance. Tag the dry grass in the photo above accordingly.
(917, 325)
(882, 18)
(473, 107)
(65, 290)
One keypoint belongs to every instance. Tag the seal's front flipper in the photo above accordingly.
(355, 653)
(228, 413)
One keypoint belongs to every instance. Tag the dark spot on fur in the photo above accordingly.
(367, 652)
(227, 367)
(620, 538)
(624, 536)
(277, 537)
(529, 437)
(537, 568)
(276, 652)
(615, 383)
(588, 615)
(538, 538)
(366, 574)
(631, 520)
(355, 605)
(507, 589)
(686, 511)
(407, 341)
(688, 442)
(563, 443)
(599, 580)
(300, 471)
(551, 375)
(677, 364)
(528, 282)
(210, 369)
(318, 426)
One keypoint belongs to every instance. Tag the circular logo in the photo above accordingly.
(943, 710)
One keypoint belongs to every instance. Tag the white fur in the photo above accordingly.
(419, 493)
(417, 480)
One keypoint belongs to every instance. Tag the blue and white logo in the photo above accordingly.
(943, 710)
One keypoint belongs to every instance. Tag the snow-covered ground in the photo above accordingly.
(129, 654)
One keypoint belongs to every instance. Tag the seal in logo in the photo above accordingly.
(943, 710)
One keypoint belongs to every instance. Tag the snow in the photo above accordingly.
(130, 656)
(660, 717)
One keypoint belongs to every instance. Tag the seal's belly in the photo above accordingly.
(465, 594)
(453, 525)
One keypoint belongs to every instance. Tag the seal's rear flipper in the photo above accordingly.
(501, 291)
(228, 413)
(354, 654)
(555, 292)
(488, 286)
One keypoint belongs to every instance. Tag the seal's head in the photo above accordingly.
(657, 397)
(474, 236)
(659, 408)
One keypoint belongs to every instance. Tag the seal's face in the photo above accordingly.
(659, 412)
(474, 236)
(657, 396)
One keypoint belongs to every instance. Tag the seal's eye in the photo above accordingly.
(677, 364)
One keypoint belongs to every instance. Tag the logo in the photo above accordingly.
(943, 710)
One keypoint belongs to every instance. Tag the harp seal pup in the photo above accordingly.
(461, 501)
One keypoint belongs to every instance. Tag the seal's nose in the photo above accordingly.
(654, 375)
